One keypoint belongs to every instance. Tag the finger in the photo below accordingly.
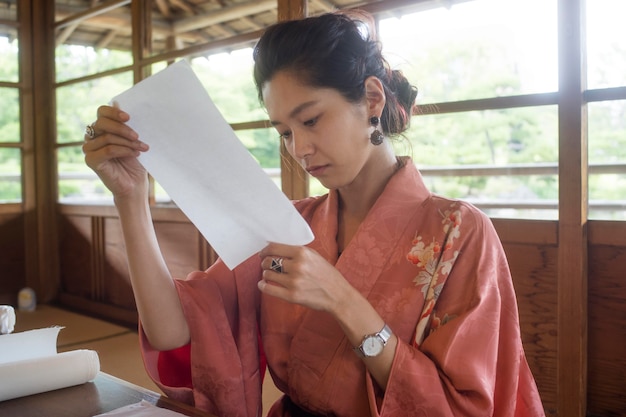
(113, 120)
(277, 249)
(113, 112)
(95, 158)
(109, 139)
(96, 155)
(271, 288)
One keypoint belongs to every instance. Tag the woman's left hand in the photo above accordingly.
(306, 278)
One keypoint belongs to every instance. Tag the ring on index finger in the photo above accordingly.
(277, 265)
(90, 131)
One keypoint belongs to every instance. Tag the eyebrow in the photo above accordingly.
(296, 111)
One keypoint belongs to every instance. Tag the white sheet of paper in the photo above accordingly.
(141, 409)
(31, 344)
(197, 158)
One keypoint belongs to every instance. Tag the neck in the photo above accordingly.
(356, 200)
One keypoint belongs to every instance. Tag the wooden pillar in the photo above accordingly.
(141, 20)
(572, 273)
(37, 46)
(295, 181)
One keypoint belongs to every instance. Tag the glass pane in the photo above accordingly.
(228, 79)
(8, 11)
(10, 175)
(607, 160)
(8, 55)
(316, 188)
(9, 115)
(77, 182)
(476, 49)
(77, 103)
(504, 161)
(96, 44)
(74, 61)
(606, 49)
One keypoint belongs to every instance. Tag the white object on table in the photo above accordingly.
(7, 320)
(30, 364)
(141, 409)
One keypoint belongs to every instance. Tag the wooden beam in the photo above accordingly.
(223, 15)
(295, 181)
(40, 170)
(89, 13)
(141, 35)
(573, 195)
(66, 33)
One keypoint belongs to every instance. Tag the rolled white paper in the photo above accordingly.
(33, 376)
(7, 319)
(30, 344)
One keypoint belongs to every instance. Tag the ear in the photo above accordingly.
(375, 96)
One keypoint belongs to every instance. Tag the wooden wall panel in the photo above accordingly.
(606, 391)
(76, 246)
(533, 268)
(12, 261)
(115, 281)
(93, 262)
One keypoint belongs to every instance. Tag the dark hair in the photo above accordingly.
(335, 51)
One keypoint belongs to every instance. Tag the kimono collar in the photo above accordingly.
(404, 192)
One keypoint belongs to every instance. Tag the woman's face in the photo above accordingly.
(325, 133)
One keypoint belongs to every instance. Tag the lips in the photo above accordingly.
(316, 170)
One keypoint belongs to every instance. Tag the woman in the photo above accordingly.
(403, 304)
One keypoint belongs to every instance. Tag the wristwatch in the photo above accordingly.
(373, 344)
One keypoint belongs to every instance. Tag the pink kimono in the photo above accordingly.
(459, 350)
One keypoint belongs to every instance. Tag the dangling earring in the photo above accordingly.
(377, 136)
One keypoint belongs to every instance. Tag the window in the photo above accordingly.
(480, 73)
(10, 131)
(606, 57)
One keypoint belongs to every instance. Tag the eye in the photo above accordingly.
(311, 122)
(285, 135)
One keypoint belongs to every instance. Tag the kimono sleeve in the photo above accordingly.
(221, 308)
(471, 362)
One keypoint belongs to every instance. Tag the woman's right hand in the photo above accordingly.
(112, 153)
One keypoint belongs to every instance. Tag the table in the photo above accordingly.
(104, 394)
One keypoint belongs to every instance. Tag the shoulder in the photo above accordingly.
(462, 214)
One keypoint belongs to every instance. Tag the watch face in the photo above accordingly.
(372, 346)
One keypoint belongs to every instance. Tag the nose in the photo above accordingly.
(300, 145)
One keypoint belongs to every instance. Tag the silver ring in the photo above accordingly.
(90, 132)
(277, 265)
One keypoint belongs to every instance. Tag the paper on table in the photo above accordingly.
(30, 344)
(29, 364)
(197, 158)
(141, 409)
(33, 376)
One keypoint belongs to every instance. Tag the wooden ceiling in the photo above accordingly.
(178, 24)
(175, 24)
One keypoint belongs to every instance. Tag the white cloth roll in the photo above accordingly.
(33, 376)
(7, 319)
